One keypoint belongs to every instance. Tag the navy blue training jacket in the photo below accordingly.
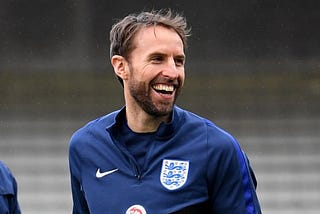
(192, 166)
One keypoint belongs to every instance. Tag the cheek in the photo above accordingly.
(147, 76)
(182, 77)
(140, 72)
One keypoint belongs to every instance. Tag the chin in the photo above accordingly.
(165, 111)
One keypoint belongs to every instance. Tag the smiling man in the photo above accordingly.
(152, 156)
(152, 76)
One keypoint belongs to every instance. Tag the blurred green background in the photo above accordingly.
(215, 95)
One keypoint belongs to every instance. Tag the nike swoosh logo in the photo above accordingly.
(102, 174)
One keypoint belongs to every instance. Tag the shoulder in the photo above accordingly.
(93, 128)
(216, 136)
(4, 170)
(212, 129)
(6, 179)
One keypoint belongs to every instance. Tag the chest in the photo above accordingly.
(172, 176)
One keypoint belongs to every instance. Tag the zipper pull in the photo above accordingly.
(138, 177)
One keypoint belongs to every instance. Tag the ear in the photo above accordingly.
(119, 64)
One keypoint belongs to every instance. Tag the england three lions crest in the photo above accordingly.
(174, 173)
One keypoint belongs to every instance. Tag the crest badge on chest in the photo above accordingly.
(174, 173)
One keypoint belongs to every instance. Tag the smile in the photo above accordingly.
(163, 88)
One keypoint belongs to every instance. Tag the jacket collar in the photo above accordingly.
(165, 130)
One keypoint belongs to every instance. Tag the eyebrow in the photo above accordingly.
(180, 56)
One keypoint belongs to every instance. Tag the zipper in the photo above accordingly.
(132, 162)
(137, 171)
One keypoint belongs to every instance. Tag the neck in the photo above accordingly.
(141, 122)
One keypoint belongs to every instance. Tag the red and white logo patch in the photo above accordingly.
(136, 209)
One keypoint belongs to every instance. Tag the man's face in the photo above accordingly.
(156, 70)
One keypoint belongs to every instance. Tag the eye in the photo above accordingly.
(179, 61)
(157, 59)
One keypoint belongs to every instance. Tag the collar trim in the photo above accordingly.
(165, 130)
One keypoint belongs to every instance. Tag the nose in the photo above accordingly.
(171, 70)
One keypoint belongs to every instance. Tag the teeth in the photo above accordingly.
(160, 87)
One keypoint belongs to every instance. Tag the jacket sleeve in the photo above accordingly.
(8, 191)
(231, 181)
(79, 201)
(248, 175)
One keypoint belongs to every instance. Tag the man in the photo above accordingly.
(8, 192)
(152, 156)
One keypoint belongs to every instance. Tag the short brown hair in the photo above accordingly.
(123, 32)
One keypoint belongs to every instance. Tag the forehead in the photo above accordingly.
(157, 37)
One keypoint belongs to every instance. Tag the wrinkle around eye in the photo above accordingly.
(156, 59)
(179, 62)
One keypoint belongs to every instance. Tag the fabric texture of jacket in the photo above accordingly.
(191, 166)
(8, 192)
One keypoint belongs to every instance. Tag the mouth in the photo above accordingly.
(164, 88)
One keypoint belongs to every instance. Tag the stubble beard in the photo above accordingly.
(142, 95)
